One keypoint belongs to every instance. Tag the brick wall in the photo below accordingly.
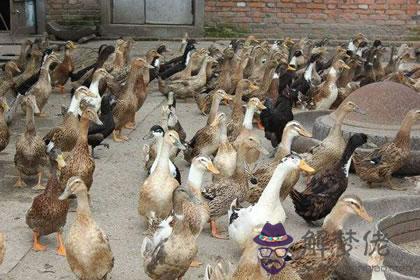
(317, 18)
(73, 11)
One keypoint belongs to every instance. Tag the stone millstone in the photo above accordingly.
(386, 104)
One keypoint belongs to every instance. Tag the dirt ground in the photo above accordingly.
(119, 174)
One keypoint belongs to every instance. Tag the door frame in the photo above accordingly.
(155, 31)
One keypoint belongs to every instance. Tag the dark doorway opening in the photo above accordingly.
(5, 15)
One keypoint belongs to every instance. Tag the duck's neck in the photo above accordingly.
(308, 72)
(83, 208)
(223, 133)
(267, 78)
(340, 114)
(249, 115)
(67, 56)
(132, 78)
(54, 187)
(159, 143)
(44, 74)
(345, 160)
(30, 122)
(285, 146)
(270, 195)
(332, 76)
(84, 129)
(163, 162)
(203, 69)
(237, 101)
(74, 106)
(402, 139)
(94, 85)
(195, 179)
(214, 108)
(335, 220)
(240, 161)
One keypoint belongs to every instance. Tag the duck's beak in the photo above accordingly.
(291, 68)
(97, 120)
(364, 215)
(16, 68)
(305, 133)
(89, 93)
(150, 66)
(305, 167)
(212, 168)
(227, 97)
(64, 195)
(261, 106)
(60, 161)
(148, 136)
(345, 66)
(254, 87)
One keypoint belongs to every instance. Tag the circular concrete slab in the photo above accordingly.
(386, 104)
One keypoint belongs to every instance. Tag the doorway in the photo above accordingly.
(5, 16)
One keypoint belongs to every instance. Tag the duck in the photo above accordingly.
(173, 248)
(42, 88)
(66, 134)
(79, 161)
(187, 87)
(83, 77)
(98, 133)
(11, 114)
(176, 65)
(7, 82)
(225, 78)
(206, 140)
(47, 213)
(218, 96)
(30, 157)
(88, 251)
(25, 50)
(126, 106)
(95, 101)
(236, 118)
(194, 62)
(320, 265)
(263, 174)
(62, 71)
(242, 221)
(274, 118)
(219, 195)
(324, 95)
(378, 165)
(158, 133)
(4, 129)
(247, 130)
(326, 187)
(226, 156)
(253, 105)
(155, 202)
(163, 256)
(32, 68)
(173, 121)
(329, 151)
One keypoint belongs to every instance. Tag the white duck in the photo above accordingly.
(268, 208)
(94, 88)
(157, 132)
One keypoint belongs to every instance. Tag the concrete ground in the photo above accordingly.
(119, 174)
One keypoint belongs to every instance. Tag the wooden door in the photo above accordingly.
(23, 16)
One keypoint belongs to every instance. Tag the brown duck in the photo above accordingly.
(378, 165)
(30, 156)
(4, 129)
(79, 161)
(62, 71)
(47, 213)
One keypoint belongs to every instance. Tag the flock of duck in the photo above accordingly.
(269, 80)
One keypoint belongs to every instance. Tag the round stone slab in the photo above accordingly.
(386, 104)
